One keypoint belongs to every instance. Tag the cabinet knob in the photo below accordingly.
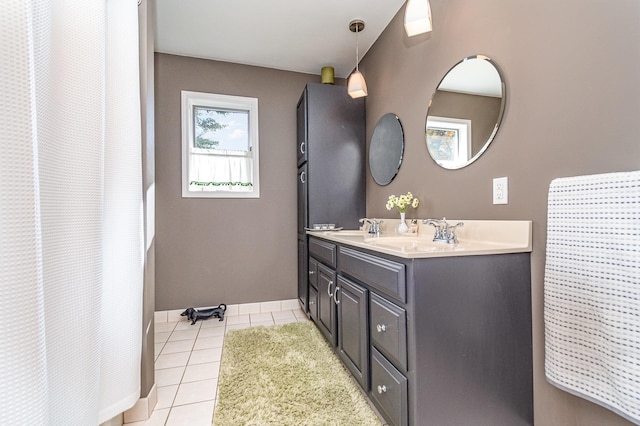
(312, 272)
(381, 328)
(311, 302)
(382, 389)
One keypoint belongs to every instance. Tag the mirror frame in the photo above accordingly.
(401, 153)
(498, 118)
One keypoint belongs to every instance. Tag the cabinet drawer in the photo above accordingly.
(388, 330)
(313, 272)
(388, 390)
(323, 251)
(382, 274)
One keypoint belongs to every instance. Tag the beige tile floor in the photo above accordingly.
(187, 364)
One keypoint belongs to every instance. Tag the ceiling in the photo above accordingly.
(293, 35)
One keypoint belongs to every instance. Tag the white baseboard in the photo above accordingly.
(142, 409)
(238, 309)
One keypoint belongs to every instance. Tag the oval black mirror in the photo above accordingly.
(386, 149)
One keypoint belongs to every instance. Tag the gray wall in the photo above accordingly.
(211, 251)
(571, 69)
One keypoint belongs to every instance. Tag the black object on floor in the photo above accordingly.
(194, 315)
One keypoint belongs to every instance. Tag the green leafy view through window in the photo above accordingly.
(220, 152)
(221, 129)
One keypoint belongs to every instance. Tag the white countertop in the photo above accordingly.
(476, 237)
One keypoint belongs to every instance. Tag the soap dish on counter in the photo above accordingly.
(319, 227)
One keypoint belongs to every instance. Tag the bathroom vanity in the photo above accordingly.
(434, 333)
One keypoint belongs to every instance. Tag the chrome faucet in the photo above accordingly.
(444, 233)
(374, 225)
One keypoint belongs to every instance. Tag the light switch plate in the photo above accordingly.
(501, 190)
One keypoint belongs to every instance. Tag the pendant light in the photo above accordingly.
(417, 17)
(356, 86)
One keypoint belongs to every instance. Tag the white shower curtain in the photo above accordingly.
(70, 211)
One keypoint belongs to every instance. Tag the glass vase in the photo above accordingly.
(402, 226)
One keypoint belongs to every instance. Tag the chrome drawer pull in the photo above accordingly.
(302, 147)
(335, 296)
(312, 272)
(329, 289)
(382, 389)
(381, 328)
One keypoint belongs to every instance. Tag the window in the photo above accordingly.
(449, 139)
(219, 146)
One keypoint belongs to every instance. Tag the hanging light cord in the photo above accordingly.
(357, 49)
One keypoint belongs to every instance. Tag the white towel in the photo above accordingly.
(592, 290)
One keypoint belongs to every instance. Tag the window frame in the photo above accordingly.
(463, 146)
(190, 100)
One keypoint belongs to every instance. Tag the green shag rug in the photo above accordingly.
(286, 375)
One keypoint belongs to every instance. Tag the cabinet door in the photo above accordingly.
(303, 286)
(303, 203)
(326, 307)
(313, 304)
(313, 273)
(353, 329)
(335, 153)
(301, 140)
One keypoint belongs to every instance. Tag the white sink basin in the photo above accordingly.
(396, 240)
(410, 244)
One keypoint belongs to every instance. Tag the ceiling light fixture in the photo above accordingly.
(417, 17)
(356, 86)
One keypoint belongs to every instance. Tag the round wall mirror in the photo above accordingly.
(386, 149)
(465, 112)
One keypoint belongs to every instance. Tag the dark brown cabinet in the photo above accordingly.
(389, 390)
(313, 303)
(326, 304)
(303, 288)
(353, 335)
(330, 153)
(312, 271)
(432, 341)
(388, 330)
(322, 284)
(339, 307)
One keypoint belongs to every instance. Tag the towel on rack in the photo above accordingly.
(592, 290)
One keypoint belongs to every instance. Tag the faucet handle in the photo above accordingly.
(445, 233)
(452, 238)
(374, 227)
(434, 222)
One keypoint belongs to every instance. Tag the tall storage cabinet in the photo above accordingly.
(330, 150)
